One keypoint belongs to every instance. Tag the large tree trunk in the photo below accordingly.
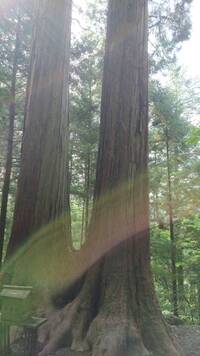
(116, 311)
(41, 192)
(8, 166)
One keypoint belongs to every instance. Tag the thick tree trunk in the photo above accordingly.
(8, 166)
(116, 312)
(42, 185)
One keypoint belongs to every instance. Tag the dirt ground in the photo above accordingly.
(189, 339)
(188, 336)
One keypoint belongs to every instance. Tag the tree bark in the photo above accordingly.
(86, 199)
(180, 280)
(8, 166)
(41, 194)
(87, 191)
(172, 235)
(198, 298)
(117, 312)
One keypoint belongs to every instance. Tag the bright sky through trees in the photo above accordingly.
(189, 55)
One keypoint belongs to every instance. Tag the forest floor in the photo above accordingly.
(189, 339)
(188, 336)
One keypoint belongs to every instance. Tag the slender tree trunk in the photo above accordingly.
(83, 224)
(198, 297)
(68, 181)
(88, 164)
(116, 312)
(87, 191)
(41, 194)
(8, 166)
(180, 280)
(192, 297)
(172, 235)
(156, 209)
(86, 200)
(88, 161)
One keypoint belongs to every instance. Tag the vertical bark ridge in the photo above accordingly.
(41, 196)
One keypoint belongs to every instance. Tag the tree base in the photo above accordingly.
(109, 336)
(115, 314)
(115, 337)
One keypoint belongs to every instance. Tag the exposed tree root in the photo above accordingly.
(75, 318)
(59, 325)
(108, 334)
(158, 338)
(115, 337)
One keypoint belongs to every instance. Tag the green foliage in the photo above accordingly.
(85, 95)
(172, 130)
(170, 25)
(194, 137)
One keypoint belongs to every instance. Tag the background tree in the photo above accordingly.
(86, 72)
(168, 112)
(42, 181)
(169, 25)
(15, 36)
(172, 128)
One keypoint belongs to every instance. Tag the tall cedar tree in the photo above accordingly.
(41, 196)
(8, 166)
(116, 312)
